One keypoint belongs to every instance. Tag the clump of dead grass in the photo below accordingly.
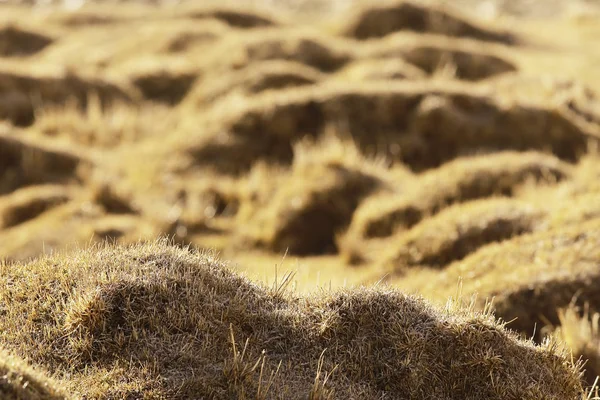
(459, 58)
(163, 85)
(422, 125)
(373, 21)
(28, 203)
(580, 331)
(18, 381)
(327, 182)
(104, 127)
(16, 41)
(381, 69)
(237, 17)
(530, 277)
(21, 94)
(25, 162)
(468, 178)
(158, 321)
(304, 46)
(459, 231)
(256, 78)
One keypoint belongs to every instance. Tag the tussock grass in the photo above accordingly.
(26, 162)
(381, 68)
(18, 381)
(579, 330)
(421, 125)
(177, 323)
(459, 231)
(305, 46)
(103, 127)
(530, 277)
(28, 203)
(234, 16)
(304, 216)
(372, 21)
(468, 178)
(256, 78)
(22, 94)
(16, 41)
(468, 59)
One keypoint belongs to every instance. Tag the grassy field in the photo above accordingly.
(300, 199)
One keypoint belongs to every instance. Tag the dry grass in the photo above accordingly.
(465, 179)
(393, 16)
(459, 231)
(18, 381)
(530, 277)
(579, 331)
(401, 142)
(179, 324)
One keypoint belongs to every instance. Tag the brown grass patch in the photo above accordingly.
(15, 41)
(531, 276)
(237, 17)
(457, 58)
(256, 78)
(304, 215)
(580, 331)
(28, 203)
(24, 162)
(374, 21)
(381, 69)
(459, 231)
(21, 95)
(157, 321)
(18, 381)
(304, 46)
(421, 125)
(164, 86)
(459, 181)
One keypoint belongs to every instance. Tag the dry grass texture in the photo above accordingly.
(399, 142)
(181, 325)
(18, 381)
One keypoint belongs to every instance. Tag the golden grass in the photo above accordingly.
(401, 142)
(529, 277)
(179, 324)
(18, 381)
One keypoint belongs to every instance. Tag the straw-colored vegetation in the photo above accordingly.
(357, 167)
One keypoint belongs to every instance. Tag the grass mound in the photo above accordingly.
(158, 321)
(24, 162)
(21, 95)
(103, 127)
(256, 78)
(163, 85)
(581, 333)
(381, 69)
(421, 125)
(235, 17)
(459, 231)
(531, 276)
(376, 21)
(196, 36)
(28, 203)
(304, 216)
(237, 51)
(15, 41)
(458, 58)
(18, 381)
(459, 181)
